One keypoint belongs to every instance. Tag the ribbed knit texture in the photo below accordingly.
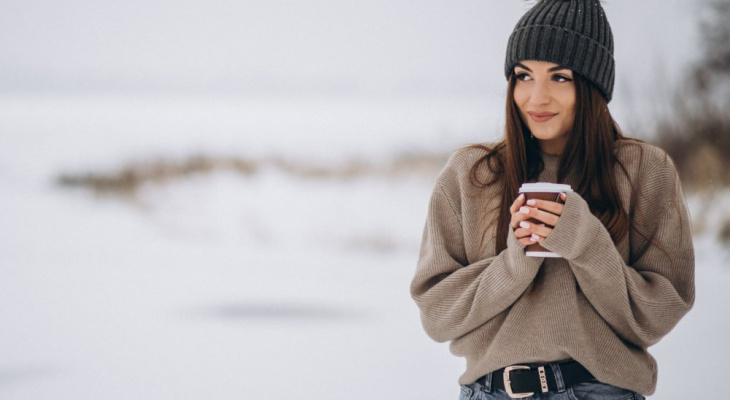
(572, 33)
(601, 304)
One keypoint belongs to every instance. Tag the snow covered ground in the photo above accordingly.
(224, 286)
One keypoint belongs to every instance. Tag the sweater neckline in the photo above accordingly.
(551, 162)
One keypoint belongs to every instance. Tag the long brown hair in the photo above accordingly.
(589, 149)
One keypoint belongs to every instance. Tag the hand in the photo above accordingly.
(547, 213)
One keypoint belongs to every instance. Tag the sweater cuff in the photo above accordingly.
(576, 231)
(516, 253)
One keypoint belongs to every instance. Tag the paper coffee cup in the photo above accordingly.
(543, 191)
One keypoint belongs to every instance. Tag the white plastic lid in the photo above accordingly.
(545, 187)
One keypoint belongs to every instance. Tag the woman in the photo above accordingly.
(575, 327)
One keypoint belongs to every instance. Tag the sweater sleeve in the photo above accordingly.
(455, 297)
(641, 302)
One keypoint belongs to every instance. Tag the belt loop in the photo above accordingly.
(558, 377)
(487, 383)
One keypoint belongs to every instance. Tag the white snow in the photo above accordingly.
(225, 286)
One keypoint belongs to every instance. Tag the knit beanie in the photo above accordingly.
(571, 33)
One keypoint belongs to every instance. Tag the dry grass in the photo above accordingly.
(128, 179)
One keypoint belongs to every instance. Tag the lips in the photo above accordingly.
(541, 116)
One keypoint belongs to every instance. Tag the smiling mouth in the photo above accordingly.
(541, 116)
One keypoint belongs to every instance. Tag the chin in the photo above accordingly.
(548, 136)
(542, 135)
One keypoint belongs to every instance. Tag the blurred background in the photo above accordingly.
(225, 199)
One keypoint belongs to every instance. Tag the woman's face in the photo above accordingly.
(545, 95)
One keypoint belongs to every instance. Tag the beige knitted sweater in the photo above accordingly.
(602, 305)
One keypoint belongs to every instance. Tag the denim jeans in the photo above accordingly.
(582, 391)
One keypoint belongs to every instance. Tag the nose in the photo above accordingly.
(540, 94)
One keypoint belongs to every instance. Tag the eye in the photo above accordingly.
(561, 78)
(522, 76)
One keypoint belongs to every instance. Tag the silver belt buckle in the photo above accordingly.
(508, 383)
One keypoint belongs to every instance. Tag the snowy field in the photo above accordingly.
(226, 286)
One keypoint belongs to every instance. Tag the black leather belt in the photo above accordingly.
(521, 381)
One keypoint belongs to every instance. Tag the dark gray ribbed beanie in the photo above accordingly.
(571, 33)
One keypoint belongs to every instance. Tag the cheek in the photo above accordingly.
(567, 100)
(571, 112)
(520, 98)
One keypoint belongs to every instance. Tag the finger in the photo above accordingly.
(542, 216)
(532, 239)
(519, 202)
(518, 217)
(546, 205)
(538, 229)
(526, 241)
(522, 233)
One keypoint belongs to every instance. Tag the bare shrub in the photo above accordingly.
(699, 143)
(696, 133)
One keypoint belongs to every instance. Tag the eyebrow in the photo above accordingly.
(553, 69)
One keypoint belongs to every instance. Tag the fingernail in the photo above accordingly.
(534, 237)
(531, 202)
(521, 196)
(524, 210)
(524, 225)
(563, 196)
